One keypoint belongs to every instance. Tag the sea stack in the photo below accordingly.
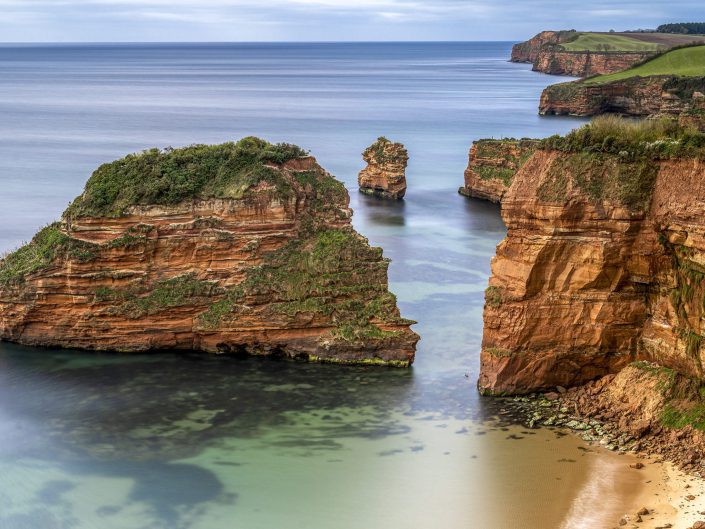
(241, 248)
(385, 174)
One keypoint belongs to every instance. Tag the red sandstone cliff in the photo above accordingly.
(603, 264)
(547, 55)
(528, 51)
(492, 165)
(555, 60)
(385, 174)
(256, 254)
(635, 96)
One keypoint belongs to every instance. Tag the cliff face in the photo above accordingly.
(492, 165)
(528, 51)
(603, 264)
(385, 174)
(241, 248)
(547, 55)
(635, 96)
(553, 59)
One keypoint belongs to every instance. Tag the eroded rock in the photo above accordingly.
(385, 174)
(238, 248)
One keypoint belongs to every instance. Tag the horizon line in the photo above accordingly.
(3, 43)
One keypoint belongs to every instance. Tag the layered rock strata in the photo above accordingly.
(602, 265)
(547, 55)
(385, 174)
(634, 96)
(529, 50)
(242, 248)
(556, 60)
(492, 165)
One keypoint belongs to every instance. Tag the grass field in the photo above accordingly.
(608, 42)
(684, 62)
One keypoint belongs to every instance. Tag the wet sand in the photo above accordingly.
(664, 492)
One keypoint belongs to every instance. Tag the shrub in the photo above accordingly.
(47, 245)
(167, 177)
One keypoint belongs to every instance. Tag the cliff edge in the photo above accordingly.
(603, 262)
(243, 248)
(492, 165)
(670, 84)
(584, 54)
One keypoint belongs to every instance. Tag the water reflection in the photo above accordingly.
(151, 441)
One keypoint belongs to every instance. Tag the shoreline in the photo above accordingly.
(670, 488)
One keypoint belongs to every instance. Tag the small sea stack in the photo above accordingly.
(385, 174)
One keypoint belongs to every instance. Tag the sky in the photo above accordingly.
(324, 20)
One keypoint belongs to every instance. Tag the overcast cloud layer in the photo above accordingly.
(315, 20)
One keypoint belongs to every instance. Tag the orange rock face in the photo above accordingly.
(528, 51)
(272, 269)
(492, 165)
(385, 174)
(547, 55)
(555, 60)
(638, 96)
(592, 276)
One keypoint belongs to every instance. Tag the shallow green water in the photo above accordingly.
(171, 441)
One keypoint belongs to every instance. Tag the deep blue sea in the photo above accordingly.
(177, 441)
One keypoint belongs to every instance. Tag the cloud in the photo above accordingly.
(115, 20)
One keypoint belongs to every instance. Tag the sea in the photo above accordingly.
(174, 440)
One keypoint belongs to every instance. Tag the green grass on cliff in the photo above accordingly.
(491, 148)
(164, 294)
(616, 158)
(167, 177)
(607, 42)
(332, 272)
(682, 62)
(631, 139)
(47, 245)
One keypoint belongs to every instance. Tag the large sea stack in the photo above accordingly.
(243, 248)
(385, 174)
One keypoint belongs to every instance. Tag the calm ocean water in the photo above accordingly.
(189, 441)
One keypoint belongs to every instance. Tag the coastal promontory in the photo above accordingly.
(587, 53)
(602, 273)
(671, 84)
(240, 248)
(385, 174)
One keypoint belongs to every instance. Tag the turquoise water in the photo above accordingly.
(191, 441)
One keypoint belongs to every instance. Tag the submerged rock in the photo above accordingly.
(385, 174)
(242, 248)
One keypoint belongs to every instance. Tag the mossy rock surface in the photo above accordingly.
(170, 176)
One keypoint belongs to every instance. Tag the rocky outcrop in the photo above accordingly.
(646, 408)
(385, 174)
(547, 55)
(528, 51)
(603, 264)
(242, 248)
(556, 60)
(492, 165)
(634, 96)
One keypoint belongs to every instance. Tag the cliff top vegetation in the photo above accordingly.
(169, 176)
(597, 42)
(682, 62)
(630, 138)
